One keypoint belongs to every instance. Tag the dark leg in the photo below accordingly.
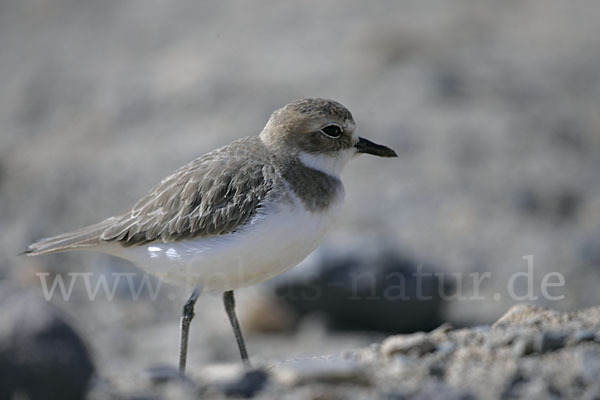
(229, 302)
(186, 318)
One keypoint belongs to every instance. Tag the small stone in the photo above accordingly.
(375, 347)
(246, 385)
(377, 303)
(266, 315)
(589, 364)
(582, 335)
(162, 374)
(550, 341)
(523, 345)
(445, 348)
(41, 354)
(417, 343)
(517, 315)
(437, 370)
(527, 315)
(350, 355)
(441, 333)
(442, 329)
(322, 370)
(501, 338)
(233, 379)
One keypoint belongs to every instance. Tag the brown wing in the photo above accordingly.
(212, 195)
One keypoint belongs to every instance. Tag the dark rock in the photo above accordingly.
(543, 342)
(384, 292)
(550, 341)
(561, 204)
(41, 355)
(246, 385)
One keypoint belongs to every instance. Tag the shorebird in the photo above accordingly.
(238, 215)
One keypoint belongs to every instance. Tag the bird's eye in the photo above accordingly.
(332, 131)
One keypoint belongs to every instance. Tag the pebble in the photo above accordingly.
(550, 341)
(417, 343)
(582, 335)
(162, 373)
(246, 385)
(445, 348)
(321, 369)
(41, 354)
(523, 345)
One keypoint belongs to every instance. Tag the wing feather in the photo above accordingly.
(213, 195)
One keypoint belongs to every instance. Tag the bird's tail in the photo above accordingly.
(81, 238)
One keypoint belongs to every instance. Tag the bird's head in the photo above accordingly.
(321, 133)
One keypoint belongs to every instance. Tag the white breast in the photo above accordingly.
(273, 242)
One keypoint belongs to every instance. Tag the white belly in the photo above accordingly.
(271, 244)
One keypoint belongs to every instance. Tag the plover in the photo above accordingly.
(238, 215)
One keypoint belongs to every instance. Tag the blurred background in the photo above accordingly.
(493, 108)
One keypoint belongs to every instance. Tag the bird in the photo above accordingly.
(238, 215)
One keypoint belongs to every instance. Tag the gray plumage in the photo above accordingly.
(212, 195)
(220, 192)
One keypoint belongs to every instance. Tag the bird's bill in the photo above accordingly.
(366, 146)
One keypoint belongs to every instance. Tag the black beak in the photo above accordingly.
(366, 146)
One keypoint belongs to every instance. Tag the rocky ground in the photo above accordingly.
(529, 352)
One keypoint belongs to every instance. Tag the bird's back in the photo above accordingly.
(213, 195)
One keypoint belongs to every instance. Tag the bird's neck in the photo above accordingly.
(316, 189)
